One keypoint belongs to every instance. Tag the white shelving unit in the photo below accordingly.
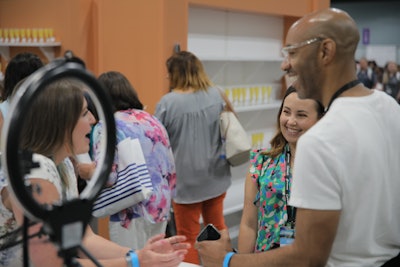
(274, 105)
(46, 48)
(241, 50)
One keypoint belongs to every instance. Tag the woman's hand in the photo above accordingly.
(163, 252)
(86, 170)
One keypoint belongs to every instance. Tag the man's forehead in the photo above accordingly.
(295, 35)
(307, 26)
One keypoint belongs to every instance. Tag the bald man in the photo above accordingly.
(347, 167)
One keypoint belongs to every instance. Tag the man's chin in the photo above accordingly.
(290, 80)
(301, 93)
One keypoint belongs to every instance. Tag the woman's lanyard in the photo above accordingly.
(291, 211)
(345, 87)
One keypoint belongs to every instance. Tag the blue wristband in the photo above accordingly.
(134, 259)
(227, 259)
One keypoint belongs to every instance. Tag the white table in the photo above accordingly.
(186, 264)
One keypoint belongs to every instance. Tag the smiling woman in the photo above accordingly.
(269, 179)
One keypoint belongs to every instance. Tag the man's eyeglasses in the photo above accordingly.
(286, 50)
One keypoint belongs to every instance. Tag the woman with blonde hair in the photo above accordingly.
(190, 113)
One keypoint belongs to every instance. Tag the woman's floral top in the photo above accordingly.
(13, 256)
(269, 175)
(159, 160)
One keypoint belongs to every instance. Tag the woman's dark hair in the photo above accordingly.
(91, 106)
(278, 142)
(19, 67)
(122, 93)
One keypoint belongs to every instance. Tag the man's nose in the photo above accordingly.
(285, 65)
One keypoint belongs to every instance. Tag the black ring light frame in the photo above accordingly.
(65, 223)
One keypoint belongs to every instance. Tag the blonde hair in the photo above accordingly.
(186, 71)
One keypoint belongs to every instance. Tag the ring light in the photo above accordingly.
(64, 223)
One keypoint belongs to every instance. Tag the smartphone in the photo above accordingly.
(209, 233)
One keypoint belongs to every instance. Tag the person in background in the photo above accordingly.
(55, 181)
(366, 74)
(349, 156)
(20, 66)
(267, 220)
(135, 225)
(190, 113)
(391, 80)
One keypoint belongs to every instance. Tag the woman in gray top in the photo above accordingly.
(190, 113)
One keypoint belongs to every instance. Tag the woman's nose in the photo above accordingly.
(292, 120)
(92, 119)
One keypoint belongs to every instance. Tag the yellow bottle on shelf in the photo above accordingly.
(6, 37)
(17, 34)
(35, 35)
(28, 35)
(41, 35)
(23, 35)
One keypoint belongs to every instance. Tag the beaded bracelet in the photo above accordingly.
(227, 259)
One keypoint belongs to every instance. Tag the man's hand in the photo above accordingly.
(212, 253)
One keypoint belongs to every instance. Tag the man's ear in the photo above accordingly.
(328, 47)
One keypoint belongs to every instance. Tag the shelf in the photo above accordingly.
(234, 36)
(46, 48)
(214, 48)
(52, 44)
(273, 105)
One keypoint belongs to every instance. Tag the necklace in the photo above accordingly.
(345, 87)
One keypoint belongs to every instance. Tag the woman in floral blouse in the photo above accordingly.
(267, 221)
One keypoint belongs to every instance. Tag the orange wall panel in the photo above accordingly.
(70, 20)
(136, 38)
